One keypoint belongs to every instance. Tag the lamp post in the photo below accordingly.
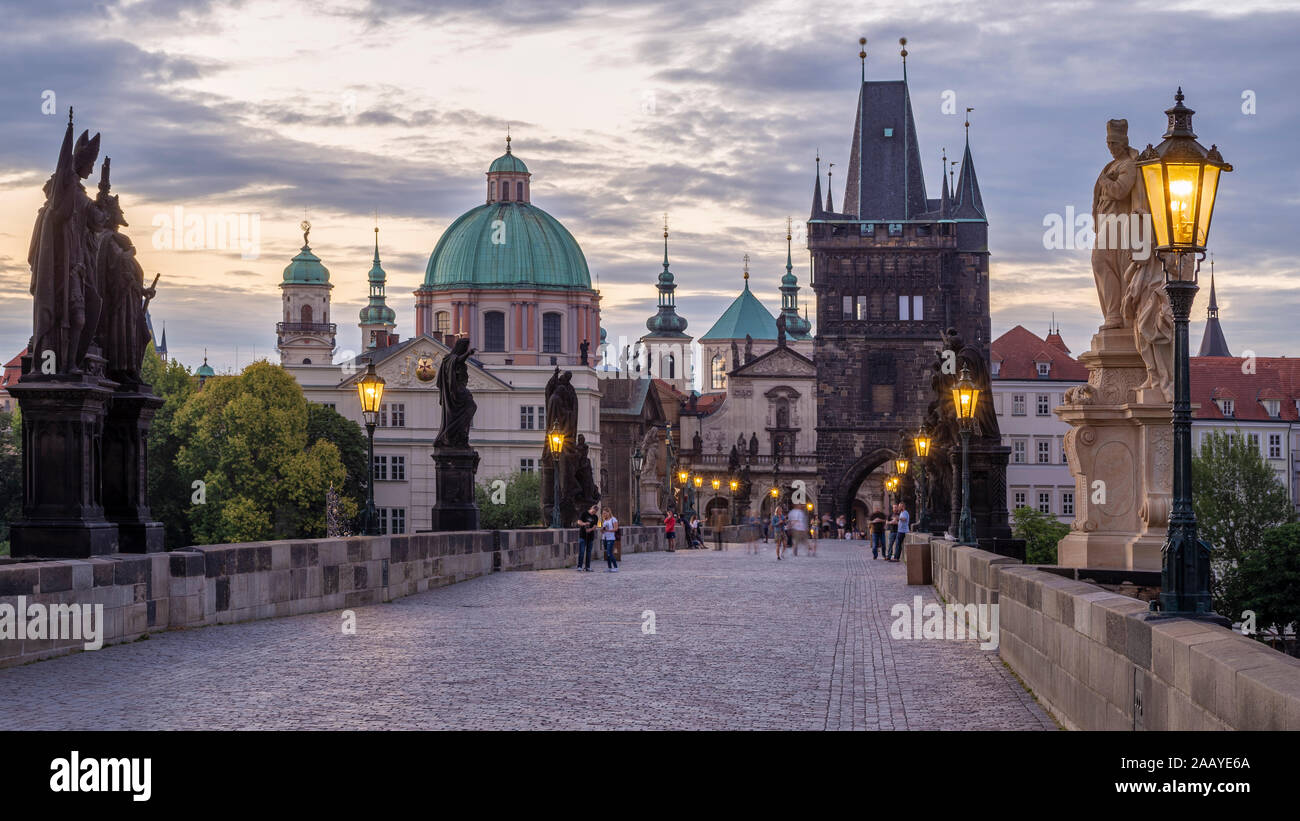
(669, 494)
(965, 396)
(638, 462)
(1181, 179)
(684, 479)
(921, 441)
(370, 390)
(697, 482)
(735, 512)
(556, 442)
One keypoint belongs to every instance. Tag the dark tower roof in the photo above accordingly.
(1213, 342)
(817, 209)
(945, 198)
(889, 185)
(666, 323)
(969, 204)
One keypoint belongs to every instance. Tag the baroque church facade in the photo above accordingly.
(506, 275)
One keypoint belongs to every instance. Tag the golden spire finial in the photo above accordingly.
(665, 225)
(507, 138)
(747, 267)
(789, 228)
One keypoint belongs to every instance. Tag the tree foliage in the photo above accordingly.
(246, 438)
(11, 474)
(169, 492)
(518, 504)
(1041, 532)
(1237, 498)
(1267, 580)
(323, 422)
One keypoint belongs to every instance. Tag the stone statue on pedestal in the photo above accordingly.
(1120, 444)
(561, 418)
(455, 462)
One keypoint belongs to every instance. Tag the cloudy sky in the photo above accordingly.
(335, 110)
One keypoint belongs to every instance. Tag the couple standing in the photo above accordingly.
(590, 522)
(899, 524)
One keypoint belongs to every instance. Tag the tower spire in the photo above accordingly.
(907, 107)
(862, 99)
(1213, 343)
(830, 203)
(817, 189)
(969, 203)
(944, 205)
(747, 271)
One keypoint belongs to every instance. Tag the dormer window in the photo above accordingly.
(997, 368)
(1226, 406)
(1044, 369)
(1273, 407)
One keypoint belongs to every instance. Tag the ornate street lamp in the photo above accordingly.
(921, 441)
(697, 482)
(669, 494)
(556, 442)
(735, 510)
(638, 462)
(370, 390)
(1181, 179)
(965, 397)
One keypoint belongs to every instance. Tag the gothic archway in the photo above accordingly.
(846, 491)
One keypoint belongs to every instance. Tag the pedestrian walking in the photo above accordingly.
(796, 527)
(670, 529)
(778, 530)
(609, 534)
(877, 525)
(587, 525)
(903, 528)
(840, 522)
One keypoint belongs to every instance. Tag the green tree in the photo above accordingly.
(1267, 580)
(1237, 497)
(1041, 532)
(518, 504)
(170, 493)
(246, 437)
(323, 422)
(11, 474)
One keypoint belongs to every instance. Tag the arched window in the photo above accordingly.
(783, 413)
(305, 313)
(442, 322)
(671, 362)
(306, 362)
(718, 376)
(505, 190)
(519, 190)
(551, 324)
(494, 331)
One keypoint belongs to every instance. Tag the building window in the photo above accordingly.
(1253, 440)
(519, 190)
(1064, 458)
(329, 405)
(1044, 503)
(397, 415)
(381, 468)
(1067, 503)
(505, 190)
(1017, 404)
(399, 468)
(392, 520)
(442, 322)
(551, 333)
(1044, 369)
(1226, 407)
(883, 375)
(1044, 404)
(1275, 446)
(1019, 497)
(997, 368)
(1044, 452)
(862, 308)
(1273, 406)
(718, 373)
(526, 418)
(383, 415)
(305, 314)
(672, 366)
(527, 465)
(848, 307)
(494, 331)
(895, 229)
(1018, 451)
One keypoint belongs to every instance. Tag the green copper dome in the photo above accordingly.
(509, 163)
(507, 245)
(377, 311)
(306, 269)
(744, 316)
(205, 370)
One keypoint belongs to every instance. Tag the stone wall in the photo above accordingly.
(1092, 659)
(218, 584)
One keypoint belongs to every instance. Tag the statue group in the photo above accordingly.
(577, 485)
(86, 408)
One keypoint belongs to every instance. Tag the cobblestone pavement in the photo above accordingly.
(742, 641)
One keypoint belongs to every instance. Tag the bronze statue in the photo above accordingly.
(123, 331)
(749, 348)
(458, 406)
(66, 295)
(753, 445)
(584, 348)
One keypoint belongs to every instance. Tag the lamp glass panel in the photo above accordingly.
(1209, 188)
(1183, 189)
(1154, 181)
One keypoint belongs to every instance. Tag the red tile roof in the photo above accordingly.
(1020, 349)
(1274, 377)
(13, 370)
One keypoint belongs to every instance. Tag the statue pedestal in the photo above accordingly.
(454, 470)
(650, 512)
(63, 506)
(126, 471)
(1120, 450)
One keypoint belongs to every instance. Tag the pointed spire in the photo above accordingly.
(817, 190)
(746, 272)
(789, 234)
(796, 326)
(666, 245)
(666, 322)
(376, 311)
(970, 205)
(163, 350)
(830, 203)
(1213, 342)
(945, 197)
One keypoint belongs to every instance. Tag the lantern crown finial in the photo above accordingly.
(1180, 118)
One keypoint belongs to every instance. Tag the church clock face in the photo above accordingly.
(424, 369)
